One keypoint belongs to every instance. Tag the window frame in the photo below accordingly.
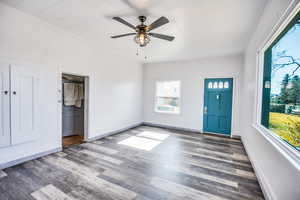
(279, 30)
(155, 98)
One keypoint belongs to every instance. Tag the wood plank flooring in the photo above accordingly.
(140, 164)
(72, 140)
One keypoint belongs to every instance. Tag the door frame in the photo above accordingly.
(86, 102)
(233, 109)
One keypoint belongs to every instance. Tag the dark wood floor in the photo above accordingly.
(141, 164)
(72, 140)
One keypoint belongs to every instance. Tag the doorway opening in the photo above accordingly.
(74, 108)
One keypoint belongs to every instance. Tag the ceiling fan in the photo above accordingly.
(142, 31)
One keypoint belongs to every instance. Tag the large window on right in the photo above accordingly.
(281, 85)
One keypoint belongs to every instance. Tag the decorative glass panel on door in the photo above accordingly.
(226, 85)
(221, 85)
(215, 85)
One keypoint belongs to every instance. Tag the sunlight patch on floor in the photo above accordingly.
(146, 140)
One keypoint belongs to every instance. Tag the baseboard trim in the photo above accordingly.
(28, 158)
(236, 137)
(260, 177)
(189, 130)
(171, 127)
(113, 132)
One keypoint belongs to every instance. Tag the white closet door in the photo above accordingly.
(4, 106)
(24, 102)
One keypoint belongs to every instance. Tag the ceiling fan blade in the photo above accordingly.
(161, 21)
(119, 19)
(123, 35)
(161, 36)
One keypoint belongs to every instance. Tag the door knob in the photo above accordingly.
(6, 92)
(14, 92)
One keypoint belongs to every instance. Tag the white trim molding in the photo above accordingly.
(291, 154)
(171, 127)
(114, 132)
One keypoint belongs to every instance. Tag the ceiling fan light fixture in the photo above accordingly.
(142, 32)
(142, 39)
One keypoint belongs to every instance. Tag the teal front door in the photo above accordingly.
(218, 105)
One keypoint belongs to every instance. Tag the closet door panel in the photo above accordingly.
(24, 88)
(4, 106)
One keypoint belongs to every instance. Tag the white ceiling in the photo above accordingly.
(202, 27)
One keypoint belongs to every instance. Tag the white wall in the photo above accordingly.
(279, 178)
(116, 85)
(192, 75)
(115, 82)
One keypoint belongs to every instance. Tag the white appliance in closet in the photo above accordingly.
(18, 104)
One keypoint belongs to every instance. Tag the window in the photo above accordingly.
(281, 85)
(168, 97)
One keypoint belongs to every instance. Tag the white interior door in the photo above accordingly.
(4, 106)
(24, 104)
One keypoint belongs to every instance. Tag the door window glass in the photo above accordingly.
(221, 85)
(215, 85)
(226, 85)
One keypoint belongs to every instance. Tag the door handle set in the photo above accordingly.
(7, 92)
